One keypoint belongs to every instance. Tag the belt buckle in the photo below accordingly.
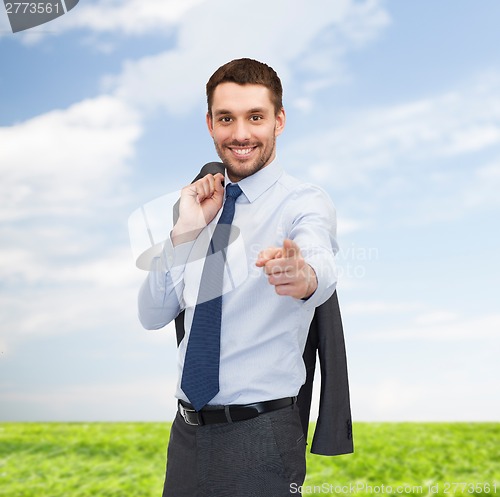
(186, 412)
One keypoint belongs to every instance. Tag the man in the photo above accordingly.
(249, 259)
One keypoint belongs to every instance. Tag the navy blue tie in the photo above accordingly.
(200, 377)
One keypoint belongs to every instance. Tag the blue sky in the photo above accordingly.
(393, 107)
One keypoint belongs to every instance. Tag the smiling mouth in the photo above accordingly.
(242, 152)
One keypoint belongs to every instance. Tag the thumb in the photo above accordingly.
(290, 248)
(219, 183)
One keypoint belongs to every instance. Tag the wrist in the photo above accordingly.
(182, 233)
(312, 282)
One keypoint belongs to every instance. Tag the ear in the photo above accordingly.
(210, 124)
(280, 122)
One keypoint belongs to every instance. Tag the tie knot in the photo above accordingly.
(233, 191)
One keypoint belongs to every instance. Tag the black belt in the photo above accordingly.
(228, 414)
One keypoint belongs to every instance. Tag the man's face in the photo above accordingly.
(244, 127)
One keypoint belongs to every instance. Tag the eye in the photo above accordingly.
(225, 120)
(256, 118)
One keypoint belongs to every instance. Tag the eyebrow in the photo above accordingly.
(255, 110)
(222, 112)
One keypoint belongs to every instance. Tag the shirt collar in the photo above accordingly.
(255, 185)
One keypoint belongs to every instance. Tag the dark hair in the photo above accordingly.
(244, 72)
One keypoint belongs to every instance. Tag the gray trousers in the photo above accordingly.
(259, 457)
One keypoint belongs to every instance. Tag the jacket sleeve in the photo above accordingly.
(333, 432)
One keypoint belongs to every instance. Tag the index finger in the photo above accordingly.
(290, 248)
(267, 255)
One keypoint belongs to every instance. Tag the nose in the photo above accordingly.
(241, 131)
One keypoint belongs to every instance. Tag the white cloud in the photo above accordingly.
(151, 399)
(126, 17)
(215, 23)
(436, 317)
(58, 162)
(175, 79)
(380, 307)
(445, 399)
(451, 329)
(63, 181)
(20, 262)
(394, 138)
(137, 382)
(483, 187)
(490, 172)
(346, 226)
(130, 17)
(61, 298)
(110, 270)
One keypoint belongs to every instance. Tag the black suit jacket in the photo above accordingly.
(333, 433)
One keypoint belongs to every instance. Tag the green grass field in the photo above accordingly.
(128, 460)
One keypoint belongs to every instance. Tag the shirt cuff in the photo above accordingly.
(326, 275)
(174, 259)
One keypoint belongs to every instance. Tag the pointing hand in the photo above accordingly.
(288, 271)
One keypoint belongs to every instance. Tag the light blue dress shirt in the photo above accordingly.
(263, 334)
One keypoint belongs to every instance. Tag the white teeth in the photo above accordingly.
(244, 151)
